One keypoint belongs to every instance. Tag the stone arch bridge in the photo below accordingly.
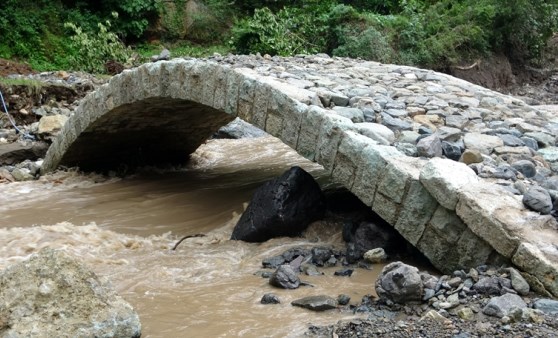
(361, 122)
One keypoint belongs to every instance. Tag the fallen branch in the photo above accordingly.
(468, 67)
(186, 237)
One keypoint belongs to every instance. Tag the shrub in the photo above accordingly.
(368, 44)
(290, 31)
(96, 49)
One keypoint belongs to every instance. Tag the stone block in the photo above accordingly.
(348, 156)
(177, 70)
(438, 251)
(209, 83)
(387, 209)
(370, 171)
(261, 97)
(444, 178)
(310, 128)
(331, 133)
(220, 89)
(246, 99)
(447, 224)
(234, 79)
(274, 125)
(472, 251)
(532, 260)
(292, 120)
(416, 210)
(483, 207)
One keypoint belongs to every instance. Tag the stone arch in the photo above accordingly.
(455, 224)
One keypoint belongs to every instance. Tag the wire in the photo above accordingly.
(25, 134)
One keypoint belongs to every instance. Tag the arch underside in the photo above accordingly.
(152, 131)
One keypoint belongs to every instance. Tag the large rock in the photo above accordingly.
(281, 207)
(16, 152)
(503, 305)
(481, 142)
(548, 306)
(316, 303)
(285, 277)
(53, 295)
(399, 283)
(368, 236)
(538, 199)
(51, 124)
(237, 129)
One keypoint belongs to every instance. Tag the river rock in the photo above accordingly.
(488, 285)
(548, 306)
(377, 132)
(285, 277)
(471, 156)
(270, 298)
(399, 283)
(377, 255)
(430, 146)
(481, 142)
(451, 150)
(316, 303)
(526, 167)
(51, 124)
(51, 294)
(354, 114)
(284, 206)
(518, 283)
(370, 236)
(501, 306)
(538, 199)
(237, 129)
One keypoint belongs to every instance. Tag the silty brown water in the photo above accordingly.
(124, 230)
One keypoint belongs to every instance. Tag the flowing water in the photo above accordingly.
(124, 229)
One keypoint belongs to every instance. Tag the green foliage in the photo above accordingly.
(96, 49)
(368, 44)
(522, 27)
(289, 31)
(31, 30)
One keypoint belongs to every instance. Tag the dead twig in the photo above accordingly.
(468, 67)
(186, 237)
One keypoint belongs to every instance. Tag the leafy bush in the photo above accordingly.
(96, 49)
(368, 44)
(290, 31)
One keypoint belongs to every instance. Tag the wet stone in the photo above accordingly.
(316, 303)
(538, 199)
(270, 298)
(285, 277)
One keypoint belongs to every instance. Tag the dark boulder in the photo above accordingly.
(399, 283)
(285, 277)
(284, 206)
(372, 235)
(316, 303)
(270, 298)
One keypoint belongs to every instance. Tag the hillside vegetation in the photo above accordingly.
(83, 35)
